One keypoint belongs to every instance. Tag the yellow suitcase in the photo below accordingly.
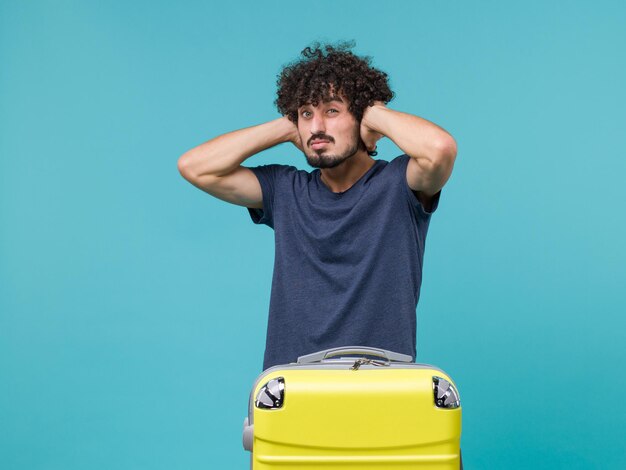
(339, 409)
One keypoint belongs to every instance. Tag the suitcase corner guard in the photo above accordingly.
(248, 435)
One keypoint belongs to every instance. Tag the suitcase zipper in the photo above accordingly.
(359, 362)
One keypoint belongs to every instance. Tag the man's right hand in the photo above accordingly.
(294, 135)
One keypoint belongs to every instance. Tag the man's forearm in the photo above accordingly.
(225, 153)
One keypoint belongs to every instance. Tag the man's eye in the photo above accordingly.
(305, 113)
(333, 109)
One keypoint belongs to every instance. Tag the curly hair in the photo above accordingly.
(325, 71)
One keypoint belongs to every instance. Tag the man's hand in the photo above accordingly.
(369, 135)
(293, 134)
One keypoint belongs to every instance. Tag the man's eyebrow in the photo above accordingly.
(333, 98)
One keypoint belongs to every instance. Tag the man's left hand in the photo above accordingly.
(369, 135)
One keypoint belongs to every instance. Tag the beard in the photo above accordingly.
(320, 159)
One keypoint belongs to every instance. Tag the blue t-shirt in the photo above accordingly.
(348, 266)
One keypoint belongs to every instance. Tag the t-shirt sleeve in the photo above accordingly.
(269, 179)
(402, 162)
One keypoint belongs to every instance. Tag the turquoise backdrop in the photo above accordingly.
(133, 306)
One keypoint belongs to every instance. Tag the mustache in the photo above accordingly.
(322, 137)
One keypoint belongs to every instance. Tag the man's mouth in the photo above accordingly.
(319, 143)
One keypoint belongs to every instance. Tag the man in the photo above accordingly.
(350, 235)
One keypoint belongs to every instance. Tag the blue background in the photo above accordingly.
(134, 306)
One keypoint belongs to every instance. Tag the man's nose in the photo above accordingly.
(318, 125)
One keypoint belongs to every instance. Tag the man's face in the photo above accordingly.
(329, 133)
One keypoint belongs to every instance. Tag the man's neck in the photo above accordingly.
(342, 177)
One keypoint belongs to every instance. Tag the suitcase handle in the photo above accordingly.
(326, 353)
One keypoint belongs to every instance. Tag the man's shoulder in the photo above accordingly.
(391, 168)
(276, 167)
(281, 176)
(276, 170)
(400, 160)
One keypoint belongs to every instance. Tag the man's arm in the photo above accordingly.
(432, 149)
(215, 166)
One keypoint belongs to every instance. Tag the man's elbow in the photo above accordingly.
(443, 162)
(185, 168)
(446, 149)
